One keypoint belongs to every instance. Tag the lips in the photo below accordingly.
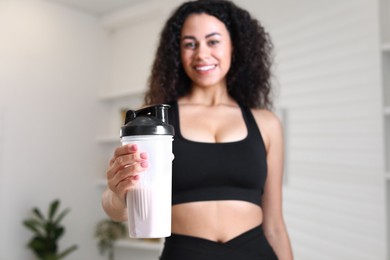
(205, 67)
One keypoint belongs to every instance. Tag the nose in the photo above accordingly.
(202, 52)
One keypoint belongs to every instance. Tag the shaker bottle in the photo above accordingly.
(149, 201)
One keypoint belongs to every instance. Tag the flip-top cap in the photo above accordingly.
(152, 120)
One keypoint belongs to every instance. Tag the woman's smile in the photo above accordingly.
(205, 68)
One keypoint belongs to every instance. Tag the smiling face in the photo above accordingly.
(206, 50)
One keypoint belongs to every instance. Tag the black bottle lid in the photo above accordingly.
(152, 120)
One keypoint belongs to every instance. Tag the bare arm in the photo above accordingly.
(273, 222)
(122, 174)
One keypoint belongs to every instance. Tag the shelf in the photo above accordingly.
(122, 94)
(386, 47)
(386, 110)
(102, 183)
(109, 139)
(139, 244)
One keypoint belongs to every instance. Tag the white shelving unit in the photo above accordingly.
(121, 94)
(112, 104)
(108, 139)
(101, 183)
(386, 110)
(140, 244)
(386, 47)
(384, 10)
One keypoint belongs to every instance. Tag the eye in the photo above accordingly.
(189, 45)
(213, 42)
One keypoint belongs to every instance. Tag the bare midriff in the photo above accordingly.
(218, 221)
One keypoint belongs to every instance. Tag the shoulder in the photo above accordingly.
(269, 124)
(267, 117)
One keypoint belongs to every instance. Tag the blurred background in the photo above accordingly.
(68, 68)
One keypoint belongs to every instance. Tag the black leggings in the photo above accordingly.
(251, 245)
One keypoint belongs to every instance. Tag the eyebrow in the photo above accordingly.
(207, 36)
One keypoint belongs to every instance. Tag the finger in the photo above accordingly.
(114, 178)
(121, 188)
(119, 151)
(125, 161)
(127, 183)
(131, 150)
(131, 170)
(125, 149)
(124, 185)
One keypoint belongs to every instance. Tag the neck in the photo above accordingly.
(208, 97)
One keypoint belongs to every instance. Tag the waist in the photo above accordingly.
(215, 220)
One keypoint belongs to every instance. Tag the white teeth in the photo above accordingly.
(204, 68)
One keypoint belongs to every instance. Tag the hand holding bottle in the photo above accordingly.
(124, 169)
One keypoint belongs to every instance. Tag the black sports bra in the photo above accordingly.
(218, 171)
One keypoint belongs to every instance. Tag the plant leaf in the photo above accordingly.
(58, 232)
(38, 246)
(34, 226)
(61, 216)
(38, 213)
(67, 251)
(53, 208)
(50, 229)
(47, 233)
(49, 256)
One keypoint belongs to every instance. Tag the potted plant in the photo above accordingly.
(47, 231)
(107, 232)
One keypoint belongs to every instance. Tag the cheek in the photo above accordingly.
(225, 56)
(185, 58)
(186, 62)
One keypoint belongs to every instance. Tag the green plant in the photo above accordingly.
(47, 231)
(107, 231)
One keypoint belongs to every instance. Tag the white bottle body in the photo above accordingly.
(149, 202)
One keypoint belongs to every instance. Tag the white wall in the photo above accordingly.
(327, 66)
(327, 76)
(134, 34)
(51, 63)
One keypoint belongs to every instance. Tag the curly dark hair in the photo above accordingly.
(249, 77)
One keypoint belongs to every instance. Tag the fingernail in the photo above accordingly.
(144, 164)
(144, 155)
(134, 147)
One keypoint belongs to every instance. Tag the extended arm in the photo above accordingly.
(273, 222)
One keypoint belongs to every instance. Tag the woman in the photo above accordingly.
(213, 66)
